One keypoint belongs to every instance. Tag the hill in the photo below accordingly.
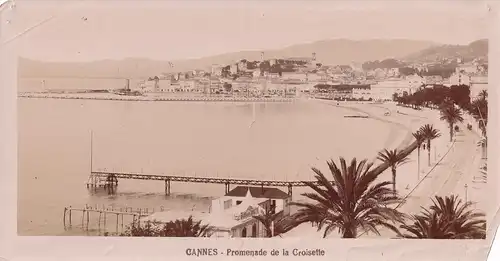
(337, 51)
(476, 49)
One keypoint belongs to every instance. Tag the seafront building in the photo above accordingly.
(232, 215)
(478, 84)
(245, 78)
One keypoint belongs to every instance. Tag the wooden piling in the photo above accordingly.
(70, 216)
(167, 187)
(88, 218)
(64, 218)
(99, 221)
(83, 218)
(116, 223)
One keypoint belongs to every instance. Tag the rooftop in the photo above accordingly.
(258, 192)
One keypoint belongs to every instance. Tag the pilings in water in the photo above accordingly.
(103, 214)
(167, 187)
(96, 181)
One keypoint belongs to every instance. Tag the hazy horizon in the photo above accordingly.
(169, 31)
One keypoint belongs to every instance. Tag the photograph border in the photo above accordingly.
(13, 247)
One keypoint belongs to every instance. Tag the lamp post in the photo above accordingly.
(466, 186)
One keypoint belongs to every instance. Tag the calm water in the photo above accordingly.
(203, 139)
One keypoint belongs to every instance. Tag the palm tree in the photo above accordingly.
(429, 133)
(178, 228)
(483, 94)
(186, 228)
(427, 225)
(466, 223)
(479, 110)
(276, 224)
(447, 218)
(452, 116)
(394, 159)
(419, 137)
(349, 202)
(267, 219)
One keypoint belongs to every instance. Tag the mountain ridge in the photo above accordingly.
(333, 51)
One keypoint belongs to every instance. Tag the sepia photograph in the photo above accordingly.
(240, 121)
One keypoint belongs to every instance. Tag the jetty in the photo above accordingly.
(110, 179)
(106, 216)
(84, 96)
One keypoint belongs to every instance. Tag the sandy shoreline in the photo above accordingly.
(452, 166)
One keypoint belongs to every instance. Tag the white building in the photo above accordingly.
(414, 82)
(300, 76)
(188, 85)
(393, 72)
(233, 68)
(384, 90)
(460, 78)
(276, 197)
(362, 92)
(236, 221)
(478, 83)
(233, 214)
(467, 68)
(165, 85)
(217, 70)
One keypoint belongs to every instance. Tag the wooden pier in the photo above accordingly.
(107, 216)
(110, 179)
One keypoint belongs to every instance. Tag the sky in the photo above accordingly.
(95, 30)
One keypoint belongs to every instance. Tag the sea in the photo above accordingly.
(272, 141)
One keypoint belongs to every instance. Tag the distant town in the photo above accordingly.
(296, 76)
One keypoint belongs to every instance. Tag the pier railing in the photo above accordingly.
(111, 179)
(107, 216)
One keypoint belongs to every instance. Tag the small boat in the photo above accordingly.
(355, 116)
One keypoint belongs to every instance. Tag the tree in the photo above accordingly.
(395, 97)
(178, 228)
(420, 138)
(394, 159)
(479, 110)
(228, 87)
(187, 228)
(483, 94)
(447, 218)
(350, 202)
(429, 133)
(264, 66)
(452, 116)
(460, 94)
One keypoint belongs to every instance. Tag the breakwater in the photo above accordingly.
(153, 98)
